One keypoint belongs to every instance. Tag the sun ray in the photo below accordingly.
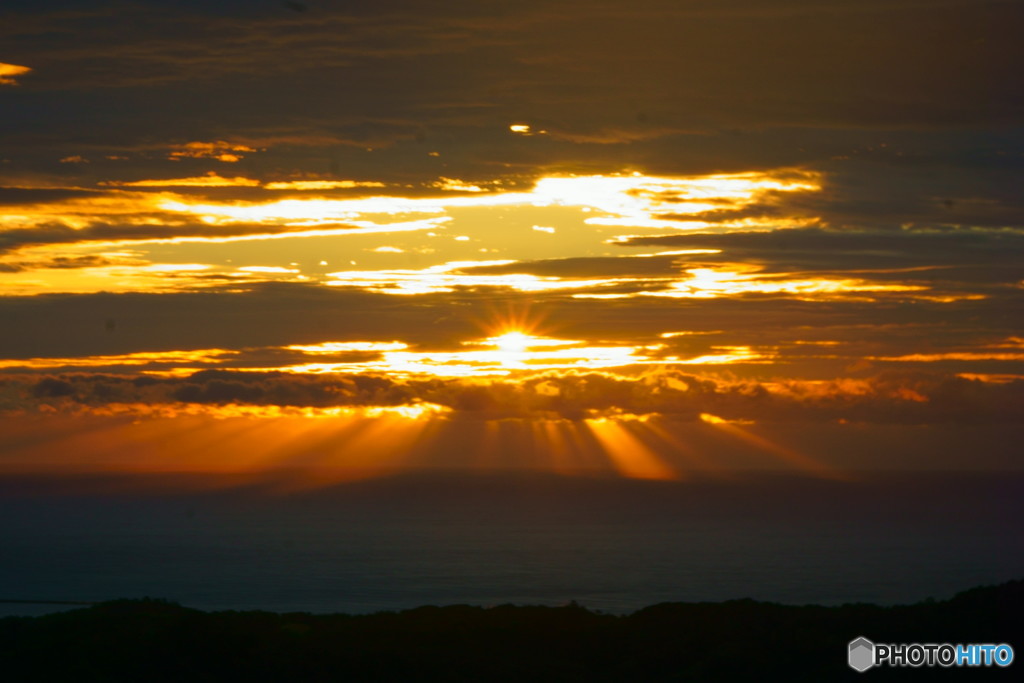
(628, 454)
(787, 455)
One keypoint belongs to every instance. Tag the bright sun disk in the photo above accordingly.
(512, 342)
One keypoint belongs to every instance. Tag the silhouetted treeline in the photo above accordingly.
(742, 640)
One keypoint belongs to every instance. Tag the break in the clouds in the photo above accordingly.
(598, 221)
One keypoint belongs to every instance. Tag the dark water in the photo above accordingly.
(609, 544)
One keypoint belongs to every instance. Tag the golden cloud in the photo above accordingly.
(9, 72)
(211, 179)
(321, 184)
(228, 152)
(889, 398)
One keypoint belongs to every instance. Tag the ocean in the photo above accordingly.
(609, 544)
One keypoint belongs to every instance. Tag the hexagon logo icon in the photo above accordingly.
(861, 654)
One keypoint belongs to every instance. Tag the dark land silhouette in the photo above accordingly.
(739, 640)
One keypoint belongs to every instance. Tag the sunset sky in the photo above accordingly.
(653, 239)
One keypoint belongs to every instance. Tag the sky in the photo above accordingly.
(646, 239)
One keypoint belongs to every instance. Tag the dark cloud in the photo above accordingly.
(52, 388)
(817, 249)
(62, 263)
(944, 263)
(14, 196)
(231, 317)
(891, 398)
(896, 182)
(955, 188)
(665, 84)
(260, 316)
(57, 233)
(588, 266)
(909, 111)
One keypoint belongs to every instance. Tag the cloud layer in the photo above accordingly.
(889, 398)
(789, 212)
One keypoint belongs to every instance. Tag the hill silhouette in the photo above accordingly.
(741, 640)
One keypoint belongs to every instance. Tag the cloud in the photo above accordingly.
(783, 80)
(115, 233)
(800, 263)
(228, 152)
(897, 125)
(890, 398)
(817, 249)
(303, 185)
(281, 314)
(10, 72)
(67, 263)
(211, 179)
(14, 196)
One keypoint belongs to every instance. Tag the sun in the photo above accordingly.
(512, 342)
(518, 349)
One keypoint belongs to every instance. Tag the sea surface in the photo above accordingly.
(609, 544)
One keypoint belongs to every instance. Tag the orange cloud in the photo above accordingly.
(228, 152)
(211, 179)
(891, 398)
(9, 72)
(320, 184)
(201, 356)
